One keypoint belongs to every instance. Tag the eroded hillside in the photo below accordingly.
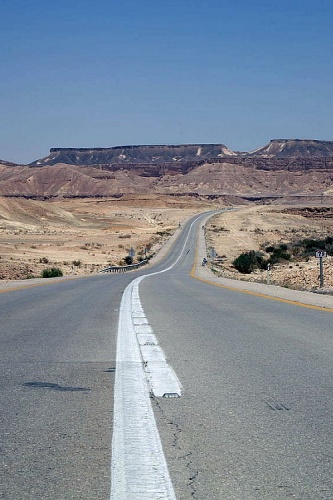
(284, 168)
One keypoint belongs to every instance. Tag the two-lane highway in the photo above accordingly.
(255, 417)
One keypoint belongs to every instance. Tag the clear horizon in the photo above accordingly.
(106, 74)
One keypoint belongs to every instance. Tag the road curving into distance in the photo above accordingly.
(253, 419)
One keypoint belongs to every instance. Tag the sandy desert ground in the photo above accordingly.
(257, 227)
(82, 236)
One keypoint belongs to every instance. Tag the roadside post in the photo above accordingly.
(131, 252)
(268, 269)
(212, 253)
(320, 254)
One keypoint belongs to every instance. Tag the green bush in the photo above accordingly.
(52, 272)
(128, 260)
(279, 254)
(247, 262)
(310, 245)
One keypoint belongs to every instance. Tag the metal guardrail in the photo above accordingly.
(123, 269)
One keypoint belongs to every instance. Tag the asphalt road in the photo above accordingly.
(255, 420)
(57, 372)
(255, 417)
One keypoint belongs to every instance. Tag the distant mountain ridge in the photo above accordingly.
(183, 153)
(298, 148)
(284, 167)
(134, 154)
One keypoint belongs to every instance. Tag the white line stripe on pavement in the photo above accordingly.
(139, 470)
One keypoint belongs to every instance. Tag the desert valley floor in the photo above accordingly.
(82, 236)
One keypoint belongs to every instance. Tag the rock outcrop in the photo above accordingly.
(294, 148)
(125, 155)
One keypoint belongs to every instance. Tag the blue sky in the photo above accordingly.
(105, 73)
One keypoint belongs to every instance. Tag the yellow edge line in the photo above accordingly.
(256, 294)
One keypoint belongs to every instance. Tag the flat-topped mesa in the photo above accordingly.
(55, 150)
(145, 154)
(181, 157)
(297, 148)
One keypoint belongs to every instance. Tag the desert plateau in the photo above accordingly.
(81, 210)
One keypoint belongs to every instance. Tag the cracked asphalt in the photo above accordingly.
(256, 404)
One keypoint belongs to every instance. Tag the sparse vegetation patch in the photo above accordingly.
(52, 272)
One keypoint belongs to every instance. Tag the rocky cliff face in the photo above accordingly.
(296, 148)
(124, 155)
(280, 150)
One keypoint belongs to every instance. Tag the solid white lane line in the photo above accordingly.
(139, 470)
(161, 377)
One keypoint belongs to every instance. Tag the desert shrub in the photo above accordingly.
(52, 272)
(310, 245)
(279, 254)
(128, 260)
(44, 260)
(247, 262)
(77, 263)
(163, 233)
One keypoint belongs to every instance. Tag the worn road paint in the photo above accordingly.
(139, 470)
